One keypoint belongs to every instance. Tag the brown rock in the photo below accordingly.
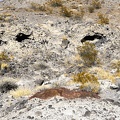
(63, 92)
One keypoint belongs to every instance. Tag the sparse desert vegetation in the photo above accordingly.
(55, 3)
(37, 7)
(102, 19)
(102, 74)
(96, 4)
(115, 64)
(91, 9)
(4, 62)
(66, 11)
(63, 50)
(20, 92)
(88, 81)
(88, 53)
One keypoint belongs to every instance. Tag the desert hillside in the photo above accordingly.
(60, 59)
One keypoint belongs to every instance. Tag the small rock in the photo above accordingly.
(112, 118)
(87, 113)
(30, 117)
(38, 113)
(50, 106)
(65, 43)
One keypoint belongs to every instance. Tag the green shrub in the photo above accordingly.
(88, 53)
(7, 86)
(88, 81)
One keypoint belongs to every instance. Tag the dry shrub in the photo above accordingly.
(79, 14)
(37, 7)
(115, 64)
(55, 3)
(63, 92)
(117, 74)
(4, 60)
(96, 4)
(102, 19)
(102, 74)
(88, 81)
(91, 9)
(5, 17)
(20, 92)
(4, 57)
(88, 53)
(66, 11)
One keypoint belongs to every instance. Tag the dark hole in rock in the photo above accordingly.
(39, 82)
(21, 36)
(93, 37)
(2, 32)
(3, 42)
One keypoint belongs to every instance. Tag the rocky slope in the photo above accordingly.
(49, 55)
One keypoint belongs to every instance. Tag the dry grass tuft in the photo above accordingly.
(37, 7)
(96, 4)
(66, 11)
(5, 17)
(102, 74)
(115, 64)
(91, 9)
(88, 81)
(4, 57)
(102, 19)
(20, 92)
(79, 14)
(55, 3)
(88, 53)
(4, 60)
(117, 74)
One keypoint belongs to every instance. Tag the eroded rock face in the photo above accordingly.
(93, 37)
(63, 92)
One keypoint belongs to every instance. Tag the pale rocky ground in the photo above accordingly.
(46, 56)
